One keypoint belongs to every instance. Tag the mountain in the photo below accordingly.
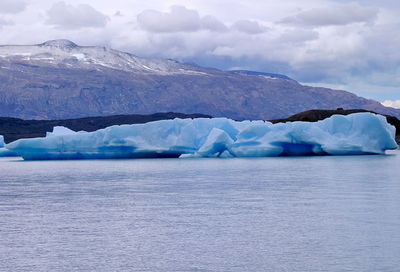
(59, 80)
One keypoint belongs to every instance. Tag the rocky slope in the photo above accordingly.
(59, 80)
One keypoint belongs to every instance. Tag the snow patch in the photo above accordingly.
(269, 77)
(79, 56)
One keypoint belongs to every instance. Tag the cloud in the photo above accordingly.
(4, 22)
(178, 19)
(213, 24)
(351, 45)
(295, 36)
(392, 103)
(249, 27)
(12, 6)
(67, 16)
(340, 15)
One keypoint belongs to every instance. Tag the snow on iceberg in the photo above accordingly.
(359, 133)
(59, 131)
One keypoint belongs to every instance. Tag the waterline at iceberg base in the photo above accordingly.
(355, 134)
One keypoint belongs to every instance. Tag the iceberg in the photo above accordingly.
(59, 131)
(4, 152)
(355, 134)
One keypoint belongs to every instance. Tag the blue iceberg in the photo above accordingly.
(355, 134)
(4, 152)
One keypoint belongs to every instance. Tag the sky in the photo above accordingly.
(349, 45)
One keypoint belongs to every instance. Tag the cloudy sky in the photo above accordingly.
(352, 45)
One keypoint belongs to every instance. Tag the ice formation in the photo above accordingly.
(60, 131)
(4, 152)
(359, 133)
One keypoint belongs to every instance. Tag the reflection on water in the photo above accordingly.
(272, 214)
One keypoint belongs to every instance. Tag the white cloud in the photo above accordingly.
(340, 15)
(213, 24)
(4, 22)
(12, 6)
(249, 27)
(392, 103)
(178, 19)
(66, 16)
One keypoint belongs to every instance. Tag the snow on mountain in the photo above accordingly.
(68, 54)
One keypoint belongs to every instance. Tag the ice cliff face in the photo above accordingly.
(355, 134)
(2, 144)
(60, 80)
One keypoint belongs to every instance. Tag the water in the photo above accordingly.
(270, 214)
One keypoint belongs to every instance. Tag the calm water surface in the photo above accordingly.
(270, 214)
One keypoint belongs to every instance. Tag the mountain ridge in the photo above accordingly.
(59, 80)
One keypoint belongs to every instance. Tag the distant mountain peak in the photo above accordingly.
(65, 53)
(61, 43)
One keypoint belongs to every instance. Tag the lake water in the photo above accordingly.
(269, 214)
